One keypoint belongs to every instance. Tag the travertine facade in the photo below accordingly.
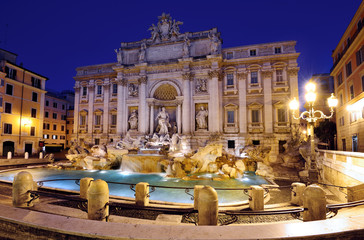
(239, 94)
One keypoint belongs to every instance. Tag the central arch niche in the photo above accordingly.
(165, 92)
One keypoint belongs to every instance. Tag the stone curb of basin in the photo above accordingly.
(55, 226)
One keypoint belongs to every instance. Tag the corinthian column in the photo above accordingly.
(242, 102)
(268, 108)
(186, 107)
(91, 93)
(106, 107)
(143, 110)
(120, 117)
(76, 111)
(214, 113)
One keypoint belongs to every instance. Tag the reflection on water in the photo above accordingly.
(155, 179)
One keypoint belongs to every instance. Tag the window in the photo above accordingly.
(62, 128)
(8, 128)
(9, 89)
(7, 107)
(253, 52)
(54, 136)
(1, 102)
(359, 56)
(339, 79)
(46, 126)
(229, 55)
(343, 142)
(277, 50)
(351, 92)
(35, 97)
(63, 106)
(32, 131)
(34, 113)
(97, 141)
(113, 119)
(354, 143)
(47, 103)
(82, 120)
(54, 115)
(341, 99)
(98, 120)
(54, 127)
(348, 69)
(256, 142)
(36, 82)
(67, 131)
(360, 24)
(46, 114)
(231, 144)
(279, 74)
(230, 117)
(45, 136)
(55, 105)
(63, 117)
(2, 82)
(230, 79)
(362, 83)
(114, 88)
(281, 115)
(99, 89)
(342, 121)
(255, 116)
(10, 73)
(84, 91)
(254, 77)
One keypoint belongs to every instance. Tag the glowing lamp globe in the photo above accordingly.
(310, 87)
(332, 101)
(293, 105)
(310, 97)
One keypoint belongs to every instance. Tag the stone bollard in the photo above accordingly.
(9, 155)
(297, 193)
(196, 192)
(142, 194)
(22, 184)
(208, 208)
(84, 185)
(98, 199)
(41, 155)
(314, 202)
(256, 201)
(26, 155)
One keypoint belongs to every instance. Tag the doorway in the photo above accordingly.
(28, 148)
(8, 146)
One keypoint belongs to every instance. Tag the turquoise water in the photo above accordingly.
(160, 194)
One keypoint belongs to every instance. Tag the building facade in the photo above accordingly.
(348, 74)
(23, 93)
(238, 95)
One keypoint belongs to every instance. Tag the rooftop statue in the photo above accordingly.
(165, 29)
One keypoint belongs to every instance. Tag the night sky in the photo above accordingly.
(54, 37)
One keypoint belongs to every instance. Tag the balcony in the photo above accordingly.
(255, 127)
(282, 127)
(280, 86)
(254, 88)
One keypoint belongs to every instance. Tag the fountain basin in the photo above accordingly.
(172, 195)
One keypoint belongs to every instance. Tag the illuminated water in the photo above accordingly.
(161, 194)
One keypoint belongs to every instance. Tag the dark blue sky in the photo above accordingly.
(54, 37)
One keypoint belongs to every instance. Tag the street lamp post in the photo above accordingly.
(311, 116)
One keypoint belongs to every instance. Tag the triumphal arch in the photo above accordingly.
(187, 83)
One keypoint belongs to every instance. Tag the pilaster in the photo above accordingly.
(268, 108)
(242, 78)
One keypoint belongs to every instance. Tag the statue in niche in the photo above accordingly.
(163, 122)
(133, 90)
(201, 118)
(186, 47)
(201, 85)
(214, 43)
(133, 120)
(142, 53)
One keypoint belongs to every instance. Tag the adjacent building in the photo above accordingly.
(348, 74)
(22, 94)
(238, 94)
